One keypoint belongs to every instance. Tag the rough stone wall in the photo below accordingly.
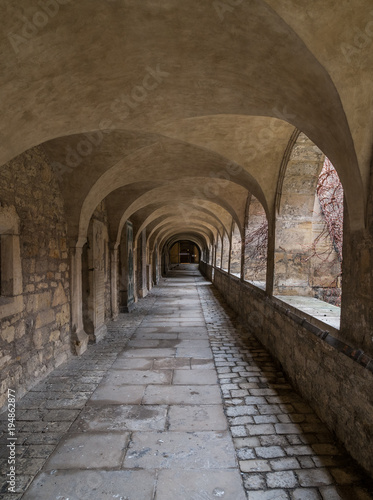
(36, 340)
(140, 270)
(325, 273)
(357, 269)
(236, 252)
(96, 284)
(294, 223)
(337, 387)
(206, 270)
(218, 252)
(225, 255)
(256, 258)
(100, 214)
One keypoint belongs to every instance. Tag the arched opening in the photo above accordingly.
(96, 277)
(184, 252)
(309, 233)
(236, 251)
(225, 253)
(256, 243)
(126, 270)
(218, 250)
(327, 238)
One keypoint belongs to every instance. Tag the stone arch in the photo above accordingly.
(236, 251)
(225, 252)
(218, 250)
(11, 288)
(295, 219)
(95, 277)
(256, 243)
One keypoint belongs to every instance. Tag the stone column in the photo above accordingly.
(114, 281)
(230, 254)
(271, 256)
(141, 285)
(79, 336)
(243, 243)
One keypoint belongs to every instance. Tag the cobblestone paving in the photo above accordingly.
(135, 431)
(46, 413)
(284, 450)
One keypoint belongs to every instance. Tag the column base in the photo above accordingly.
(128, 308)
(80, 342)
(99, 333)
(143, 292)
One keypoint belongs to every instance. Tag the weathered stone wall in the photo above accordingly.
(37, 339)
(325, 272)
(100, 214)
(256, 246)
(96, 276)
(206, 270)
(294, 222)
(126, 271)
(236, 251)
(225, 254)
(337, 387)
(357, 269)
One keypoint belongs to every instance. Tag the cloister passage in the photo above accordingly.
(236, 136)
(178, 401)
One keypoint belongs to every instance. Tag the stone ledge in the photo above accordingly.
(306, 321)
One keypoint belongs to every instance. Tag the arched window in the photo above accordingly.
(225, 253)
(11, 299)
(236, 250)
(309, 234)
(256, 243)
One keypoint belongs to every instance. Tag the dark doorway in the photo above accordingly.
(184, 252)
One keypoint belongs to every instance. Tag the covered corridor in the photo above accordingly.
(137, 137)
(178, 401)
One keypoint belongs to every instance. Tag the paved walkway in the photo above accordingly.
(141, 415)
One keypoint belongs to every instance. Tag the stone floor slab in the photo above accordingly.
(148, 353)
(199, 377)
(121, 418)
(172, 363)
(202, 364)
(191, 394)
(194, 352)
(121, 390)
(93, 485)
(138, 377)
(199, 485)
(89, 451)
(133, 364)
(197, 418)
(108, 394)
(180, 450)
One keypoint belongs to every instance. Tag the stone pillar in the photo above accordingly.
(357, 283)
(126, 288)
(271, 256)
(114, 281)
(142, 289)
(79, 336)
(243, 246)
(230, 254)
(155, 265)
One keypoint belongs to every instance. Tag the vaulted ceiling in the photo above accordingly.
(172, 112)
